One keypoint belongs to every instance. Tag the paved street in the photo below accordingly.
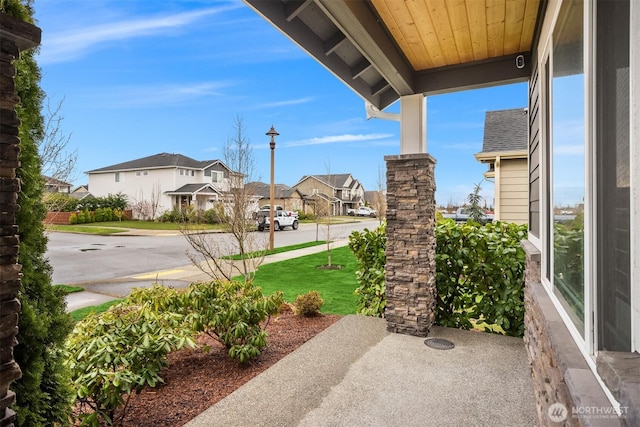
(110, 266)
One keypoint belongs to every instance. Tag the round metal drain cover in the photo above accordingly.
(439, 343)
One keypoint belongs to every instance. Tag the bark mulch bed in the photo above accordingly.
(195, 379)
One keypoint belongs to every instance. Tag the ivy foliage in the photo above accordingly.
(43, 395)
(369, 248)
(479, 275)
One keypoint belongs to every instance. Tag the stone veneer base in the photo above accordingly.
(410, 269)
(559, 370)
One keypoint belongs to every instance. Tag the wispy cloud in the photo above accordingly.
(339, 139)
(69, 45)
(282, 103)
(153, 96)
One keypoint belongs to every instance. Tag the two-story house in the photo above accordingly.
(505, 151)
(167, 181)
(339, 192)
(289, 198)
(54, 185)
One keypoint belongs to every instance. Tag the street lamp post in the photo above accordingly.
(272, 144)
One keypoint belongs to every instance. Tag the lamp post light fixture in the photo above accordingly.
(272, 144)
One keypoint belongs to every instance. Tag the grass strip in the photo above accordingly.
(69, 289)
(81, 313)
(236, 257)
(298, 276)
(85, 229)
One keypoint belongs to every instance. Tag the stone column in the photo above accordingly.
(15, 36)
(411, 244)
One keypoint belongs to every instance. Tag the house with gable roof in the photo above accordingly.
(340, 191)
(289, 198)
(168, 180)
(504, 150)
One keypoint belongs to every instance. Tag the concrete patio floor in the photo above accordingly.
(355, 373)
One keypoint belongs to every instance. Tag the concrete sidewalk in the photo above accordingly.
(355, 373)
(180, 277)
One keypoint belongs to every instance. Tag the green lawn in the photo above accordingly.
(278, 250)
(81, 313)
(69, 289)
(111, 227)
(300, 275)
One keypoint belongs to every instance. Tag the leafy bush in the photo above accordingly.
(114, 353)
(232, 313)
(302, 215)
(308, 304)
(480, 275)
(215, 215)
(60, 202)
(369, 248)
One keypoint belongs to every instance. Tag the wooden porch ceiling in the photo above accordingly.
(384, 49)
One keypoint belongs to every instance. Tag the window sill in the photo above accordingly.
(620, 372)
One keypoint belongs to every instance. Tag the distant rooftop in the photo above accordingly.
(505, 130)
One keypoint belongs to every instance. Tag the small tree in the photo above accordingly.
(476, 213)
(211, 251)
(380, 196)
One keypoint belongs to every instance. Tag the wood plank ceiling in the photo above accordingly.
(384, 49)
(437, 33)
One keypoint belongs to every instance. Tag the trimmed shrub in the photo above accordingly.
(480, 276)
(308, 304)
(369, 248)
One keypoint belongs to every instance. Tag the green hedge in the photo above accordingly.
(479, 275)
(99, 215)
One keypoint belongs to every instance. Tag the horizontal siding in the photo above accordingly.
(534, 152)
(514, 183)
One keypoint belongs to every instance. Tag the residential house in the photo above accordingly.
(81, 192)
(54, 185)
(289, 198)
(505, 151)
(333, 192)
(165, 181)
(581, 60)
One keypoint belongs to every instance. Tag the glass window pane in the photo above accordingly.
(567, 95)
(613, 172)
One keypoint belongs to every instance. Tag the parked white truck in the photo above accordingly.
(281, 219)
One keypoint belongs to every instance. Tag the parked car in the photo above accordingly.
(281, 219)
(462, 215)
(362, 211)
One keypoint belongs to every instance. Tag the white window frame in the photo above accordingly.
(634, 135)
(587, 343)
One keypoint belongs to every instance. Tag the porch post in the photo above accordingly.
(15, 36)
(410, 270)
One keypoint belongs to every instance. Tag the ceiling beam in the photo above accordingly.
(277, 14)
(363, 28)
(473, 75)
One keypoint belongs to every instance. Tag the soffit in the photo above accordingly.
(384, 49)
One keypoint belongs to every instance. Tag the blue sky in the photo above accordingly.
(140, 77)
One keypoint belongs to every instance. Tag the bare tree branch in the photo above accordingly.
(58, 160)
(240, 204)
